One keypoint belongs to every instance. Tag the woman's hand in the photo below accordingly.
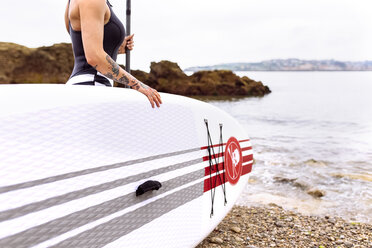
(127, 43)
(152, 94)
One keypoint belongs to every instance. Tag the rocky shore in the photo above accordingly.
(272, 226)
(54, 64)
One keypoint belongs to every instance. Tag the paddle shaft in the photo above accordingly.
(127, 52)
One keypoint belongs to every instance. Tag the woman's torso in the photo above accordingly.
(114, 34)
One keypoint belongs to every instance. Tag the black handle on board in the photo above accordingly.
(148, 186)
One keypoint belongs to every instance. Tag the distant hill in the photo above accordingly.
(290, 65)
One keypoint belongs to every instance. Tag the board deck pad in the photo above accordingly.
(72, 158)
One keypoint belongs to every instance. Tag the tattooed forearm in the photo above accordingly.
(114, 73)
(122, 78)
(135, 86)
(144, 86)
(138, 85)
(113, 66)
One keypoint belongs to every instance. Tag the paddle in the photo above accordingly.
(127, 57)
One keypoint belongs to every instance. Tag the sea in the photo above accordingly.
(313, 133)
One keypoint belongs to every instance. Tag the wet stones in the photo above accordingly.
(273, 226)
(216, 240)
(279, 224)
(236, 229)
(317, 193)
(302, 185)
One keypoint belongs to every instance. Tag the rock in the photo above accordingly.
(364, 177)
(332, 220)
(168, 77)
(317, 193)
(313, 162)
(238, 239)
(284, 179)
(299, 183)
(11, 56)
(235, 229)
(271, 204)
(289, 219)
(339, 242)
(140, 75)
(348, 244)
(51, 64)
(261, 230)
(279, 224)
(226, 83)
(216, 240)
(296, 182)
(54, 64)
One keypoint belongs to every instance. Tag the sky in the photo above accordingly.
(208, 32)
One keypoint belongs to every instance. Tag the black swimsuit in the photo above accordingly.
(85, 74)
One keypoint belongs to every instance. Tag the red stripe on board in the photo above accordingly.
(247, 158)
(217, 180)
(206, 158)
(247, 169)
(220, 165)
(209, 171)
(206, 147)
(246, 148)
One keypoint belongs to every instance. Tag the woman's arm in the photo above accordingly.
(92, 15)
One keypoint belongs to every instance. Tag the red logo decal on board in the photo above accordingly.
(233, 160)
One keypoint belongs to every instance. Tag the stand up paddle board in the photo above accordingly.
(84, 166)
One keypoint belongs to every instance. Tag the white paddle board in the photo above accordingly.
(84, 166)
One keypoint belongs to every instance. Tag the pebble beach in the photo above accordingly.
(272, 226)
(311, 185)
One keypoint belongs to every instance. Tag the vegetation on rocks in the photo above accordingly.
(20, 64)
(168, 77)
(54, 64)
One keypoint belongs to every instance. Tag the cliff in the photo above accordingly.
(20, 64)
(167, 76)
(54, 64)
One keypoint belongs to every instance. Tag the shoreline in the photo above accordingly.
(272, 226)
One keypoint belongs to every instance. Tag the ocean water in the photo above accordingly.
(313, 132)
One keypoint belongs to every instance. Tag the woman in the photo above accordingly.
(97, 37)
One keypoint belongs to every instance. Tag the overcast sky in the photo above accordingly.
(207, 32)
